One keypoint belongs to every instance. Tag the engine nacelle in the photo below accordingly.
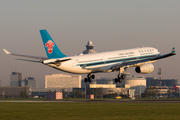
(146, 68)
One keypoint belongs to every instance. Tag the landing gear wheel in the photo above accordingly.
(119, 77)
(85, 80)
(90, 76)
(120, 80)
(115, 80)
(90, 79)
(123, 76)
(93, 76)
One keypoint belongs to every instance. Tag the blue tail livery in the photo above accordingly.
(173, 50)
(50, 46)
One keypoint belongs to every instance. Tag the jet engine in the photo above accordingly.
(146, 68)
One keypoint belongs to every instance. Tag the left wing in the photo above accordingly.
(140, 62)
(39, 59)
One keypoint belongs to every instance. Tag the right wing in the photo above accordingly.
(38, 59)
(140, 62)
(129, 64)
(164, 56)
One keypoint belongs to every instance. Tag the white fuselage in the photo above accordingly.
(103, 62)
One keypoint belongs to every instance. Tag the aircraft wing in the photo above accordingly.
(39, 59)
(129, 64)
(164, 56)
(140, 62)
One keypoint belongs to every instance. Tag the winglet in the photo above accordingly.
(7, 52)
(173, 50)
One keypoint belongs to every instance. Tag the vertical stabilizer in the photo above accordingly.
(173, 50)
(50, 46)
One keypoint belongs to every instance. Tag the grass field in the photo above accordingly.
(89, 111)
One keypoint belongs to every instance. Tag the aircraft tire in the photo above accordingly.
(85, 80)
(120, 80)
(90, 79)
(123, 76)
(119, 77)
(93, 76)
(115, 80)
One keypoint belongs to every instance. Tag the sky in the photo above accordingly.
(109, 24)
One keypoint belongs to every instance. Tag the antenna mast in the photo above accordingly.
(160, 73)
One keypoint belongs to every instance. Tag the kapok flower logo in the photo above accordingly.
(49, 46)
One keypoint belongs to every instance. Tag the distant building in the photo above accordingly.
(89, 48)
(99, 81)
(15, 79)
(63, 81)
(42, 92)
(151, 81)
(31, 82)
(22, 83)
(14, 92)
(131, 82)
(103, 91)
(135, 82)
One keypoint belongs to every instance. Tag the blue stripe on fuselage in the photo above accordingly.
(118, 60)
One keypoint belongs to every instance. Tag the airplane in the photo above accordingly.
(119, 60)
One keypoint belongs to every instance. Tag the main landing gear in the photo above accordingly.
(120, 76)
(89, 78)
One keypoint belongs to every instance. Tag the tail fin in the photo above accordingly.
(50, 46)
(173, 50)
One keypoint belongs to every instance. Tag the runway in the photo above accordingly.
(92, 101)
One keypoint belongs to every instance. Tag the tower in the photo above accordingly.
(89, 48)
(159, 73)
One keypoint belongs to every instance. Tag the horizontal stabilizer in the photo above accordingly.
(54, 61)
(30, 60)
(27, 56)
(7, 52)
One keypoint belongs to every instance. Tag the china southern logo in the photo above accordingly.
(50, 46)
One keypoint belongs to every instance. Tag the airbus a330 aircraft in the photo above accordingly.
(140, 58)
